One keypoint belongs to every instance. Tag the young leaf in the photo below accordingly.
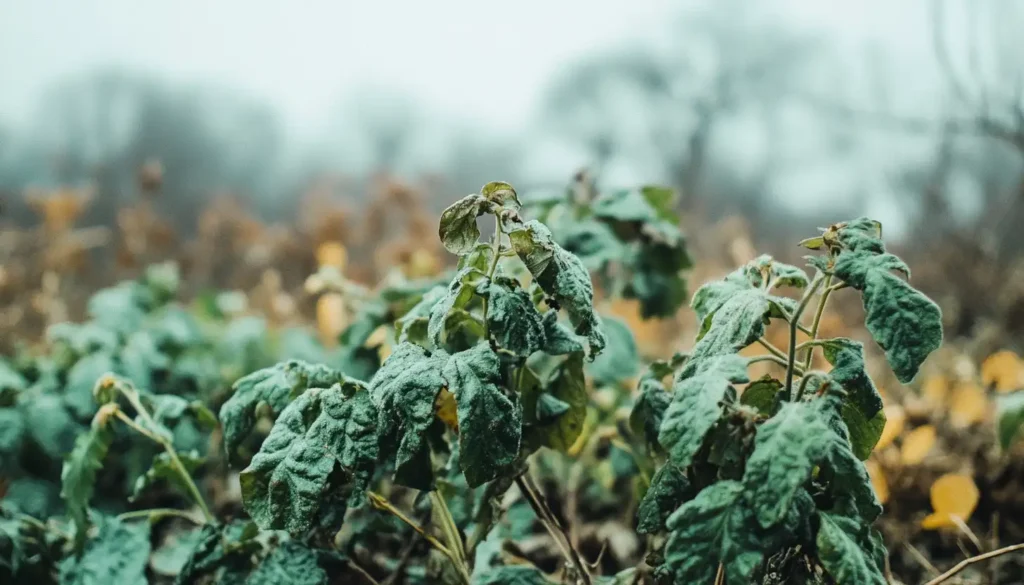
(78, 476)
(490, 425)
(322, 429)
(276, 386)
(904, 322)
(458, 230)
(841, 547)
(620, 360)
(566, 384)
(513, 320)
(764, 268)
(715, 527)
(501, 194)
(762, 395)
(118, 554)
(668, 490)
(562, 276)
(404, 391)
(696, 405)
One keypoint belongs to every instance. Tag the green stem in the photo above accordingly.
(158, 513)
(381, 503)
(794, 325)
(496, 249)
(809, 356)
(450, 530)
(771, 348)
(782, 361)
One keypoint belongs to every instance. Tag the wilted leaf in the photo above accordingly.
(501, 194)
(460, 292)
(695, 405)
(291, 563)
(322, 429)
(118, 554)
(649, 410)
(513, 320)
(404, 391)
(566, 384)
(917, 444)
(78, 476)
(668, 490)
(562, 276)
(841, 548)
(953, 495)
(490, 425)
(458, 230)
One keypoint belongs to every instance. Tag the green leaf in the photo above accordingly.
(864, 433)
(562, 276)
(668, 490)
(78, 476)
(118, 554)
(649, 410)
(662, 200)
(221, 548)
(904, 322)
(620, 361)
(404, 391)
(170, 558)
(414, 324)
(841, 549)
(715, 527)
(501, 194)
(848, 370)
(460, 293)
(10, 380)
(513, 320)
(510, 575)
(275, 386)
(549, 408)
(762, 395)
(490, 425)
(51, 426)
(765, 268)
(322, 430)
(291, 563)
(566, 384)
(786, 450)
(558, 340)
(1010, 414)
(12, 436)
(594, 243)
(163, 469)
(696, 405)
(458, 230)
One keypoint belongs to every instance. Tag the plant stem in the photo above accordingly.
(450, 530)
(782, 361)
(496, 249)
(381, 503)
(558, 533)
(794, 324)
(158, 513)
(168, 447)
(809, 357)
(772, 349)
(975, 559)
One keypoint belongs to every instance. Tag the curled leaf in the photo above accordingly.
(458, 230)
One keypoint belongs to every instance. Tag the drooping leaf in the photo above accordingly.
(118, 554)
(904, 322)
(649, 411)
(404, 391)
(490, 425)
(762, 395)
(275, 386)
(414, 324)
(696, 405)
(841, 549)
(558, 339)
(864, 433)
(458, 230)
(620, 360)
(501, 194)
(459, 294)
(567, 384)
(668, 490)
(716, 527)
(292, 563)
(163, 469)
(78, 476)
(562, 276)
(514, 321)
(764, 269)
(862, 408)
(320, 431)
(223, 549)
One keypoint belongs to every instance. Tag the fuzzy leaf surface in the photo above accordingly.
(668, 490)
(118, 554)
(842, 552)
(514, 321)
(458, 230)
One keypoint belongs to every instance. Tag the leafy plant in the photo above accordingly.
(764, 473)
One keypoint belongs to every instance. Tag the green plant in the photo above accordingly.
(769, 480)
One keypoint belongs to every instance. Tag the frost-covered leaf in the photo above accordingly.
(510, 575)
(841, 545)
(324, 429)
(593, 242)
(567, 384)
(221, 549)
(291, 563)
(163, 469)
(78, 476)
(118, 554)
(762, 395)
(501, 194)
(513, 320)
(562, 276)
(649, 410)
(620, 359)
(764, 269)
(668, 490)
(460, 292)
(904, 322)
(413, 325)
(458, 230)
(404, 391)
(696, 405)
(490, 424)
(717, 526)
(558, 339)
(275, 386)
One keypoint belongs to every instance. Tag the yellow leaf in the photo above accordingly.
(332, 253)
(935, 389)
(447, 409)
(916, 444)
(952, 495)
(878, 481)
(1004, 371)
(968, 405)
(895, 418)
